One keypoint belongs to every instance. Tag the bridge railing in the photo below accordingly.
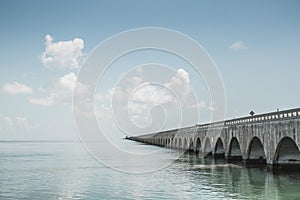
(272, 116)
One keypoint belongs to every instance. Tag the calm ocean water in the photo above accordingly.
(64, 170)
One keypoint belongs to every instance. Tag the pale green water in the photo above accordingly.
(64, 170)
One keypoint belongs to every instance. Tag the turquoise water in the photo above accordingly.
(64, 170)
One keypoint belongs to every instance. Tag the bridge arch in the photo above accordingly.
(235, 149)
(185, 144)
(191, 144)
(179, 143)
(256, 150)
(219, 148)
(175, 142)
(197, 145)
(287, 152)
(207, 147)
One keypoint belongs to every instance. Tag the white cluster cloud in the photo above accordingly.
(180, 85)
(144, 98)
(152, 94)
(62, 54)
(68, 81)
(16, 88)
(176, 90)
(135, 97)
(239, 45)
(56, 93)
(145, 93)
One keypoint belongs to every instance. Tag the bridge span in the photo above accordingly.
(271, 138)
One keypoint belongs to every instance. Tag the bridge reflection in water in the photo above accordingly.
(238, 182)
(271, 138)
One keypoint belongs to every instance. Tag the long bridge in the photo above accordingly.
(271, 138)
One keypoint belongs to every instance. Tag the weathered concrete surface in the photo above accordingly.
(273, 138)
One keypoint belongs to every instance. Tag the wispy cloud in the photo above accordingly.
(16, 88)
(9, 123)
(212, 106)
(239, 45)
(57, 92)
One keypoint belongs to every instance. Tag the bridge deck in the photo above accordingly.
(273, 138)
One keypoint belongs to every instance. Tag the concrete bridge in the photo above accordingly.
(271, 138)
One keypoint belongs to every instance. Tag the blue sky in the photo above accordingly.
(260, 72)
